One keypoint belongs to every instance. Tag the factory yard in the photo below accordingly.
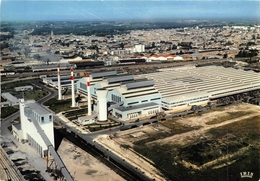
(83, 166)
(22, 157)
(202, 143)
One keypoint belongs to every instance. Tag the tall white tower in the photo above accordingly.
(73, 102)
(102, 104)
(59, 85)
(31, 115)
(89, 94)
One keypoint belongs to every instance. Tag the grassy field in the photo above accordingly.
(7, 111)
(59, 105)
(176, 127)
(36, 94)
(229, 139)
(229, 116)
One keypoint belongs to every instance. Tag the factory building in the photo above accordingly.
(169, 89)
(49, 67)
(31, 114)
(13, 101)
(23, 88)
(182, 87)
(138, 96)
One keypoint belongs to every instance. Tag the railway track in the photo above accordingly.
(36, 74)
(10, 170)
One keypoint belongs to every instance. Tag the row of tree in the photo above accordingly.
(247, 53)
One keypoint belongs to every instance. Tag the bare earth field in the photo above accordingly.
(82, 166)
(223, 141)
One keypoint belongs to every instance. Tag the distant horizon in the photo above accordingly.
(48, 10)
(137, 20)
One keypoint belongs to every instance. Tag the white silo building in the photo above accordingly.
(102, 104)
(33, 116)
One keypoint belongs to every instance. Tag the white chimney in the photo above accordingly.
(72, 88)
(89, 94)
(102, 104)
(59, 85)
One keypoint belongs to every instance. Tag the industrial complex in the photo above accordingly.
(167, 99)
(133, 96)
(129, 98)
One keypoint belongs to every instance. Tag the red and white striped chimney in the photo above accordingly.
(72, 88)
(59, 85)
(89, 94)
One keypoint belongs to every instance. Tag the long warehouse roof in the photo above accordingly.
(209, 80)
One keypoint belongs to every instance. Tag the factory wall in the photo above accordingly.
(81, 86)
(116, 96)
(134, 113)
(17, 132)
(188, 101)
(140, 102)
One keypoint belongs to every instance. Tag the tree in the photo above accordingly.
(153, 45)
(225, 55)
(122, 46)
(4, 45)
(37, 57)
(174, 47)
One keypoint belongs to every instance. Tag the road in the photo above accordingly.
(52, 92)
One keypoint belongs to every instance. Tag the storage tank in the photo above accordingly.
(102, 104)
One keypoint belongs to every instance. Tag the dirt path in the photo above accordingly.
(130, 156)
(191, 136)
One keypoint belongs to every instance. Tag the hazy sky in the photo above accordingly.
(127, 10)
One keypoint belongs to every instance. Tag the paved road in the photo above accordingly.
(52, 92)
